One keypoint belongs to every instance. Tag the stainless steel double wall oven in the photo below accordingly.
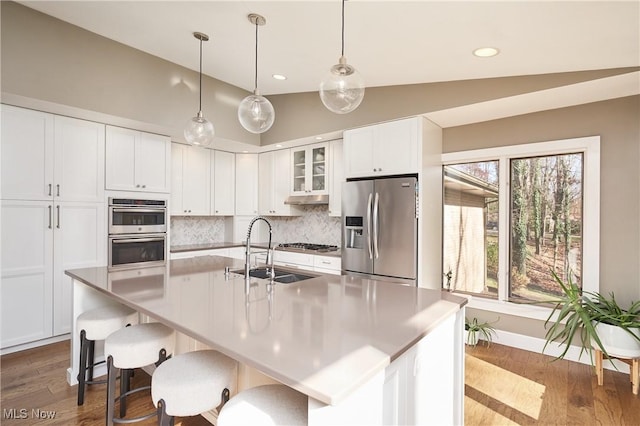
(137, 232)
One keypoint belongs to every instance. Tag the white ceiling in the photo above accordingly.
(389, 42)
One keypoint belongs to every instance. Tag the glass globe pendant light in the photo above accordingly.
(342, 90)
(199, 131)
(255, 113)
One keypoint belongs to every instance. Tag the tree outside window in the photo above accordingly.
(545, 225)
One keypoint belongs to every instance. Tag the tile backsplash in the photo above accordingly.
(313, 226)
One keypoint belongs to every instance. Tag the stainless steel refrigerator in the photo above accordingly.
(380, 228)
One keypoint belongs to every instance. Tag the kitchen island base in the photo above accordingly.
(342, 341)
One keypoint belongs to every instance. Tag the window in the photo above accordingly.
(513, 214)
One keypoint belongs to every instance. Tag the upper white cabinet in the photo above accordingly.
(246, 184)
(309, 173)
(46, 157)
(383, 149)
(275, 184)
(223, 169)
(190, 180)
(337, 177)
(137, 161)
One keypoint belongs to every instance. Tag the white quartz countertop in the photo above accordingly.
(324, 337)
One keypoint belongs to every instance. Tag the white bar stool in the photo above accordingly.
(192, 383)
(94, 325)
(265, 405)
(133, 347)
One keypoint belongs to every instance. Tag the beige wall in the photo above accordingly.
(48, 59)
(302, 114)
(618, 124)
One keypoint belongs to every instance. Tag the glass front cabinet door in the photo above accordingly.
(310, 167)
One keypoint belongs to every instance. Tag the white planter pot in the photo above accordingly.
(470, 339)
(617, 341)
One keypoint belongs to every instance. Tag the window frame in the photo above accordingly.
(590, 148)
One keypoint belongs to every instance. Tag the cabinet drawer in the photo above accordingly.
(294, 259)
(197, 253)
(327, 262)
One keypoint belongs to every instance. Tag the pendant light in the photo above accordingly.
(256, 114)
(342, 90)
(199, 131)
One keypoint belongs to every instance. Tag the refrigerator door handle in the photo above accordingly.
(375, 225)
(369, 226)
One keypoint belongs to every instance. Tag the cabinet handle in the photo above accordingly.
(50, 213)
(137, 186)
(144, 186)
(57, 190)
(50, 187)
(58, 221)
(326, 262)
(217, 211)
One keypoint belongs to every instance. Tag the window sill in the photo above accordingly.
(508, 308)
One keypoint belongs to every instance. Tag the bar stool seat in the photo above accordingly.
(94, 325)
(192, 383)
(129, 348)
(265, 405)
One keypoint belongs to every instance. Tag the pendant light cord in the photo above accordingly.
(200, 105)
(256, 79)
(343, 27)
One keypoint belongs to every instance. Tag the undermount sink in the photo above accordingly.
(282, 275)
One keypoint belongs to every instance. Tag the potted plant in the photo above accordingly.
(474, 330)
(599, 321)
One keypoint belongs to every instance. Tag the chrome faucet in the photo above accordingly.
(247, 261)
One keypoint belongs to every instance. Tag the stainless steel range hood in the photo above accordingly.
(302, 200)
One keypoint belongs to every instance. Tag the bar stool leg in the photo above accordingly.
(111, 390)
(163, 418)
(635, 375)
(82, 370)
(124, 388)
(91, 358)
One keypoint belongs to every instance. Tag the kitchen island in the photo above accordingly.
(365, 352)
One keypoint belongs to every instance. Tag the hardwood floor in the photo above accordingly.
(503, 386)
(36, 380)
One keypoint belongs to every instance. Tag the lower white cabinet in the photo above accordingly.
(40, 240)
(197, 253)
(327, 264)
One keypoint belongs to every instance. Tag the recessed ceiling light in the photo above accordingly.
(486, 52)
(279, 77)
(318, 138)
(278, 146)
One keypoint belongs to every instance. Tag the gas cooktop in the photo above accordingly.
(308, 246)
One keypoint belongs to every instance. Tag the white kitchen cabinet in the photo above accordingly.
(310, 170)
(327, 264)
(52, 218)
(190, 180)
(198, 253)
(40, 240)
(26, 290)
(137, 161)
(246, 184)
(383, 149)
(223, 169)
(47, 157)
(337, 178)
(79, 241)
(275, 184)
(293, 260)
